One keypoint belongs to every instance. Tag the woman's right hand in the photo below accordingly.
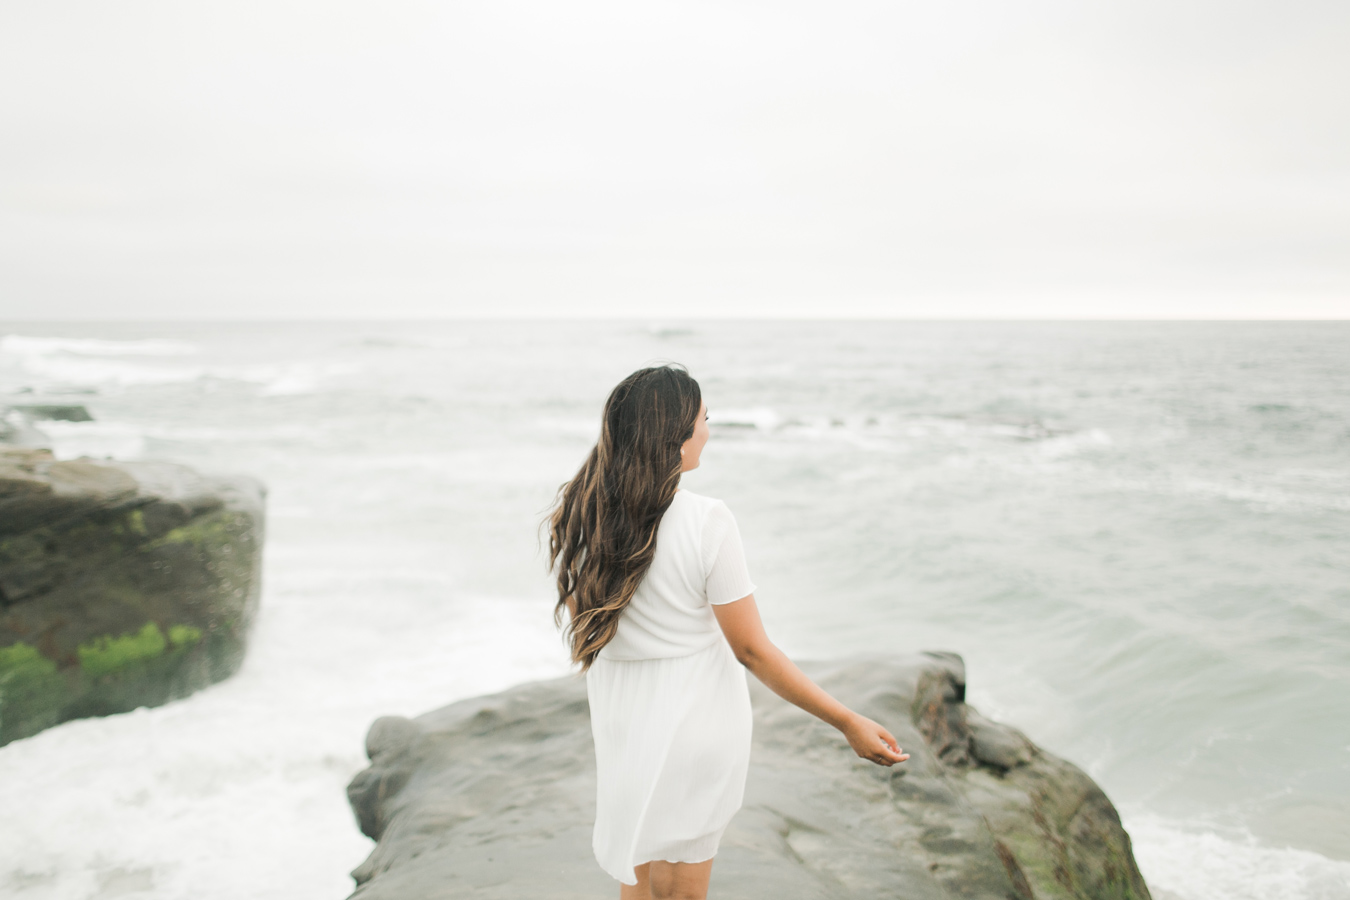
(872, 742)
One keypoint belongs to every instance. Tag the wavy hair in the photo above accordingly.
(602, 529)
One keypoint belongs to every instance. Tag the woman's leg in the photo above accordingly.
(640, 891)
(678, 881)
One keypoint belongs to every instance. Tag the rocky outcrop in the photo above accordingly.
(60, 412)
(17, 427)
(494, 798)
(121, 584)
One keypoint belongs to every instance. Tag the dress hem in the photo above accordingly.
(635, 865)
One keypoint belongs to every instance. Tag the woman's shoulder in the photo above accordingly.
(699, 504)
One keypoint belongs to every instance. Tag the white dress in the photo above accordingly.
(670, 708)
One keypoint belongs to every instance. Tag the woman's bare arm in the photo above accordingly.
(745, 632)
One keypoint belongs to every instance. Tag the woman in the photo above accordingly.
(653, 578)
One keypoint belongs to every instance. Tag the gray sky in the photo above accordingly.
(1134, 158)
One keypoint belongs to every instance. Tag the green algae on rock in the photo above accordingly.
(105, 655)
(121, 584)
(31, 690)
(494, 797)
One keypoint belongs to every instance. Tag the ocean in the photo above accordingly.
(1136, 534)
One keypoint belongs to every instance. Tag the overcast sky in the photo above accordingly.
(1129, 158)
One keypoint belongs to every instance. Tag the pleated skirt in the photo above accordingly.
(672, 746)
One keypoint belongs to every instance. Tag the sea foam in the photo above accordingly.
(1189, 861)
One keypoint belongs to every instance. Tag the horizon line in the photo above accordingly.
(649, 319)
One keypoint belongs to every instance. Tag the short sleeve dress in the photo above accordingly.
(670, 707)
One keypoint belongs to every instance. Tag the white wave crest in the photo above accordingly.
(1181, 862)
(22, 345)
(93, 372)
(96, 364)
(124, 440)
(1073, 443)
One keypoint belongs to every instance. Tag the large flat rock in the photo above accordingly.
(121, 584)
(494, 797)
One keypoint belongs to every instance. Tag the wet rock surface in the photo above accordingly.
(493, 797)
(121, 584)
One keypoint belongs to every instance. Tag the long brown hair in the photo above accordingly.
(602, 531)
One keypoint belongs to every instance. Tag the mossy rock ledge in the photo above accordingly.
(494, 798)
(122, 584)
